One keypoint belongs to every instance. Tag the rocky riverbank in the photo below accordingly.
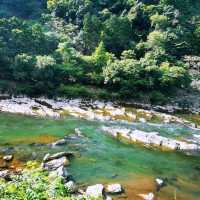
(91, 110)
(55, 167)
(105, 111)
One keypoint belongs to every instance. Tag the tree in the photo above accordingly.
(159, 21)
(23, 67)
(67, 52)
(44, 61)
(157, 39)
(92, 28)
(117, 34)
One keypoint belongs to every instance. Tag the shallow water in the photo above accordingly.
(103, 159)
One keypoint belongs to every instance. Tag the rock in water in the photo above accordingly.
(59, 143)
(114, 188)
(78, 131)
(62, 172)
(159, 182)
(95, 191)
(49, 157)
(8, 158)
(56, 163)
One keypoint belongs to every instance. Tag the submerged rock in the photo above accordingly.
(59, 143)
(95, 191)
(149, 196)
(114, 188)
(7, 150)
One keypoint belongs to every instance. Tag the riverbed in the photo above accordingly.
(103, 159)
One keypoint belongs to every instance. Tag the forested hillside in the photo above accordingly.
(97, 48)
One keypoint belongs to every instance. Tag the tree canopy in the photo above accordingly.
(117, 45)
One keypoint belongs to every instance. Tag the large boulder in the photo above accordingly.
(95, 191)
(56, 163)
(49, 157)
(62, 172)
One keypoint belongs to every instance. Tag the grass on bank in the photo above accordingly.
(35, 184)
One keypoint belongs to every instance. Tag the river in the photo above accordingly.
(102, 158)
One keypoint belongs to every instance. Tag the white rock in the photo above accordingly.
(49, 157)
(56, 163)
(159, 182)
(8, 158)
(95, 191)
(59, 143)
(108, 198)
(71, 186)
(151, 138)
(143, 120)
(131, 115)
(114, 188)
(62, 172)
(5, 174)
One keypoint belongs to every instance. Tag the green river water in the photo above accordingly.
(104, 159)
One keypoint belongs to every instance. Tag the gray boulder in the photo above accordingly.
(49, 157)
(62, 172)
(56, 163)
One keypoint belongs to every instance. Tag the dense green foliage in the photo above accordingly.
(21, 8)
(35, 184)
(123, 46)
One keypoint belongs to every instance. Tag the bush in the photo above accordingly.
(73, 91)
(157, 98)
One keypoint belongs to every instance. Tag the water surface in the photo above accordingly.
(104, 159)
